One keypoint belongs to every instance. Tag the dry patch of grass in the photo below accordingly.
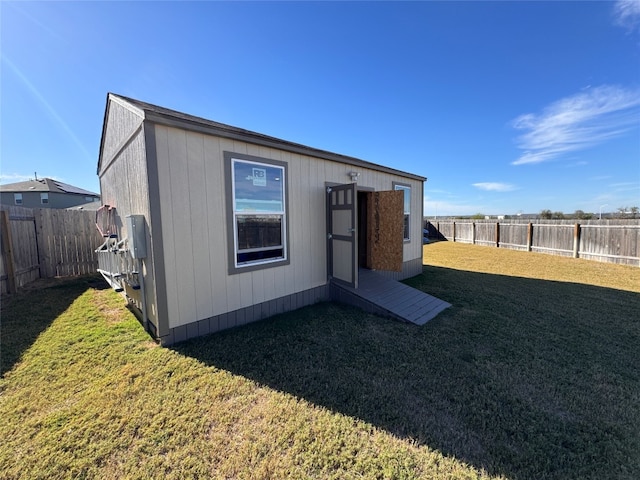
(501, 261)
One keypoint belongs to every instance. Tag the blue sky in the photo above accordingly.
(506, 107)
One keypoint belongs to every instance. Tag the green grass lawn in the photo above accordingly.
(533, 373)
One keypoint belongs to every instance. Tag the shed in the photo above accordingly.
(209, 226)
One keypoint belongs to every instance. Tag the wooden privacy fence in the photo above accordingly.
(45, 243)
(615, 243)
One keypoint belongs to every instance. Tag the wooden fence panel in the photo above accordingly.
(486, 233)
(71, 239)
(464, 232)
(25, 253)
(513, 236)
(618, 244)
(550, 238)
(49, 242)
(446, 229)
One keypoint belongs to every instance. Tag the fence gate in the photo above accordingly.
(20, 257)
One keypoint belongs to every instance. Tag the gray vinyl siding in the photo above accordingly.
(56, 199)
(190, 168)
(124, 185)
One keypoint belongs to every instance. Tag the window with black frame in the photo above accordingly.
(259, 212)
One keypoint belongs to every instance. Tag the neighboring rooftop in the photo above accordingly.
(45, 185)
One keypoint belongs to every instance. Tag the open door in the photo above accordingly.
(385, 227)
(342, 245)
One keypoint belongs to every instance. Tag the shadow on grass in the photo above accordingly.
(28, 313)
(524, 378)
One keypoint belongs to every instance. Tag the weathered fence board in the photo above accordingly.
(46, 243)
(610, 241)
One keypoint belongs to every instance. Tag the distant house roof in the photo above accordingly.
(45, 185)
(90, 206)
(173, 118)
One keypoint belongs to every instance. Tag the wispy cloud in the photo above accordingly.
(495, 186)
(14, 177)
(581, 163)
(626, 13)
(580, 121)
(19, 177)
(625, 186)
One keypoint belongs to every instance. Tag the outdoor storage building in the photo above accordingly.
(209, 226)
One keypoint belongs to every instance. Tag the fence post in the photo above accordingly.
(454, 231)
(576, 240)
(7, 252)
(40, 242)
(473, 233)
(529, 236)
(497, 234)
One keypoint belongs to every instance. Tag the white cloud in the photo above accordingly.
(495, 186)
(626, 13)
(586, 119)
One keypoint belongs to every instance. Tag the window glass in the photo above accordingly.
(257, 187)
(407, 208)
(44, 198)
(258, 212)
(17, 198)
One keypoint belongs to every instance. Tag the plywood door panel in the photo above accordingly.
(385, 230)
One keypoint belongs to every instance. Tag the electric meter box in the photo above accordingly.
(136, 236)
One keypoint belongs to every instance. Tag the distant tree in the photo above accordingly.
(558, 216)
(634, 211)
(546, 214)
(621, 212)
(478, 216)
(580, 215)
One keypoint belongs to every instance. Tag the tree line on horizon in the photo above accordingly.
(620, 213)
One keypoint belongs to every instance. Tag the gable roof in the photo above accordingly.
(45, 185)
(173, 118)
